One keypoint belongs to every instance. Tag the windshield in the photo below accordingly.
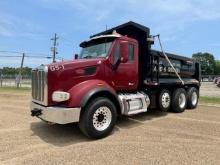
(96, 49)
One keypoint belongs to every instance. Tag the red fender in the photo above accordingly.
(80, 93)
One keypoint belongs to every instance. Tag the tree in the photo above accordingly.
(7, 71)
(217, 67)
(207, 62)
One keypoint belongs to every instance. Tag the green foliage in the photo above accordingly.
(210, 100)
(14, 90)
(9, 71)
(217, 67)
(207, 62)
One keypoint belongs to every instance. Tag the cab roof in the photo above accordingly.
(105, 36)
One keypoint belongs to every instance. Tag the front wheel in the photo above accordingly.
(179, 100)
(98, 118)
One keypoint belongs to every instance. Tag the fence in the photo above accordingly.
(13, 81)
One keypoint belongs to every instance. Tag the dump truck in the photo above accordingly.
(117, 73)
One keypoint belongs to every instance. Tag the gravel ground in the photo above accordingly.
(192, 137)
(209, 89)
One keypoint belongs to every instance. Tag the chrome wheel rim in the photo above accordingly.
(102, 118)
(182, 100)
(194, 98)
(166, 100)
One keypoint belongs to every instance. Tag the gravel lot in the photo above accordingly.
(192, 137)
(209, 89)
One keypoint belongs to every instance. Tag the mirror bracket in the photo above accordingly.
(76, 56)
(115, 66)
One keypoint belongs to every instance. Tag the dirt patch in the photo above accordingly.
(192, 137)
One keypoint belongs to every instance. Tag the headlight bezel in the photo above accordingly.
(60, 96)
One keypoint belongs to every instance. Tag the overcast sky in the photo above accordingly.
(186, 26)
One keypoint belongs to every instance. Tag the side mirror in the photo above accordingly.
(124, 51)
(76, 56)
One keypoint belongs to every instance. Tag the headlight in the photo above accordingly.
(59, 96)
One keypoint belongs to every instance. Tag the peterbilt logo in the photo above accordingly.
(56, 67)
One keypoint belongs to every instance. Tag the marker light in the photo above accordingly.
(59, 96)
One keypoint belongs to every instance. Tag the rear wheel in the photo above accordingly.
(179, 100)
(164, 100)
(192, 97)
(98, 118)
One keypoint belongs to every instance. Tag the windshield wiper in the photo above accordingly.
(88, 56)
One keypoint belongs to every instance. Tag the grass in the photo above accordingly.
(14, 90)
(209, 100)
(25, 90)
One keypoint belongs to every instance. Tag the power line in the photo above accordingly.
(17, 52)
(6, 56)
(42, 54)
(28, 56)
(9, 56)
(67, 40)
(14, 52)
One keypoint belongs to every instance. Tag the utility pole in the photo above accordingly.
(19, 76)
(1, 79)
(54, 48)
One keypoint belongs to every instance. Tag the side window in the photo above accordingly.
(116, 53)
(130, 52)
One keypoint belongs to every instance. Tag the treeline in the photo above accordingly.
(209, 66)
(217, 67)
(9, 71)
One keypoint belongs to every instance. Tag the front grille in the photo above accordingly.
(39, 85)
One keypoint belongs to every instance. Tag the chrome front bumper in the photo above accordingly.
(53, 114)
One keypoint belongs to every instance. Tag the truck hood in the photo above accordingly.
(73, 64)
(64, 75)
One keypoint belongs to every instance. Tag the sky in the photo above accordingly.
(186, 26)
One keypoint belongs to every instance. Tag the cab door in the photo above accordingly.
(125, 76)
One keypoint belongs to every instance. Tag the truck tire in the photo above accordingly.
(192, 98)
(98, 118)
(179, 100)
(164, 100)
